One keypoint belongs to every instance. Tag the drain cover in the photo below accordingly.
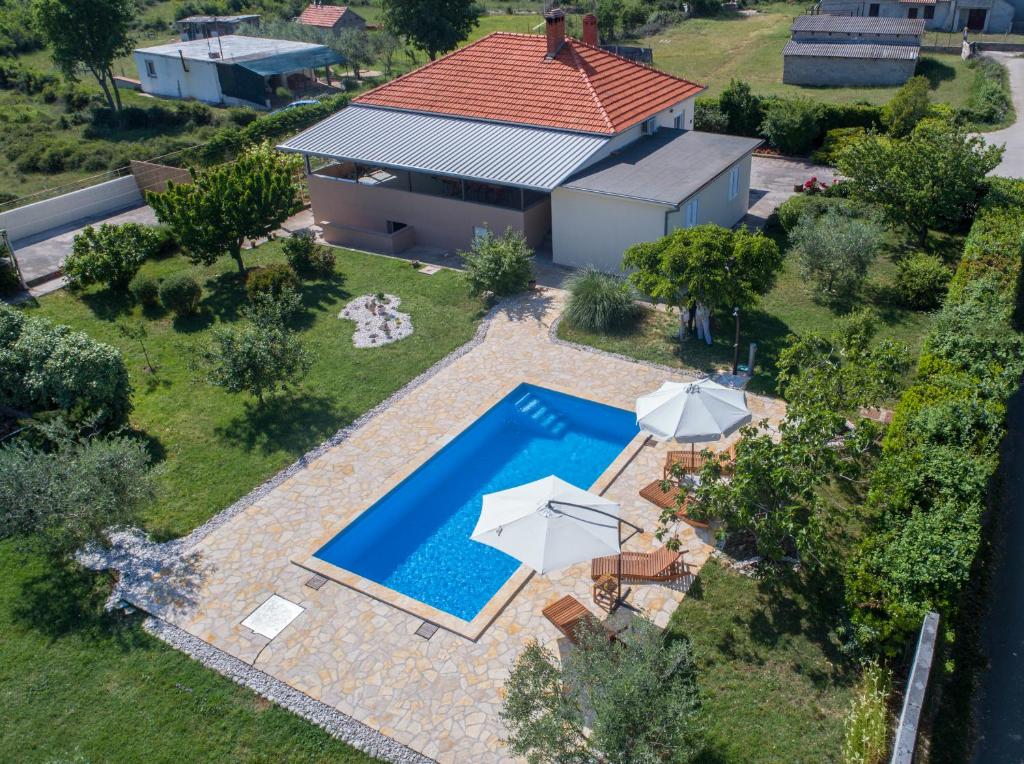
(315, 582)
(270, 618)
(426, 630)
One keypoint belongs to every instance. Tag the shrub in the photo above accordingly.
(743, 110)
(145, 290)
(921, 280)
(181, 294)
(271, 279)
(835, 250)
(709, 118)
(44, 366)
(598, 301)
(500, 265)
(866, 737)
(907, 107)
(164, 240)
(111, 254)
(795, 208)
(791, 125)
(9, 282)
(989, 101)
(836, 141)
(306, 256)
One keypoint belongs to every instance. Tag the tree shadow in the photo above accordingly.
(196, 322)
(108, 304)
(224, 296)
(316, 296)
(292, 423)
(935, 71)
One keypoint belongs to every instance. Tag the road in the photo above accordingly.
(1012, 165)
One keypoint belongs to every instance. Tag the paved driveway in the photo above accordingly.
(1012, 165)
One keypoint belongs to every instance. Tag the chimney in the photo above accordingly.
(555, 25)
(590, 30)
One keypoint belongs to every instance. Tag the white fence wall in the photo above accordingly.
(94, 201)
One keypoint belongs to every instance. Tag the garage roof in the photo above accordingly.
(513, 155)
(665, 168)
(851, 50)
(858, 25)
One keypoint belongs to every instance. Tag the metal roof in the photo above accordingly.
(851, 50)
(514, 155)
(858, 25)
(665, 168)
(233, 48)
(291, 61)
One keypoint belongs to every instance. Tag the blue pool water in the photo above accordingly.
(415, 539)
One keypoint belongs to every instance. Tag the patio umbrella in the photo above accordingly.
(692, 412)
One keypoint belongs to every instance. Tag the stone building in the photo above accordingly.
(991, 16)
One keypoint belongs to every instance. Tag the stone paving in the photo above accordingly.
(440, 696)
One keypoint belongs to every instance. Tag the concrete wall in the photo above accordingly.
(595, 229)
(438, 221)
(172, 81)
(814, 70)
(92, 202)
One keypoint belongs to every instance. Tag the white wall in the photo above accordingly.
(94, 201)
(595, 229)
(665, 117)
(172, 81)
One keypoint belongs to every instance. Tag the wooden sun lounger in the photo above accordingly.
(691, 462)
(568, 614)
(667, 500)
(660, 565)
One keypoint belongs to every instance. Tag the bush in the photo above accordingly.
(835, 141)
(743, 110)
(921, 281)
(599, 302)
(500, 265)
(9, 282)
(797, 207)
(307, 257)
(271, 279)
(989, 101)
(907, 107)
(835, 250)
(866, 738)
(111, 254)
(709, 118)
(165, 240)
(44, 366)
(791, 125)
(181, 294)
(145, 290)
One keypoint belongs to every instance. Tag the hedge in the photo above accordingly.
(941, 451)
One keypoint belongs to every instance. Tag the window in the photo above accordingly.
(678, 123)
(911, 13)
(734, 183)
(929, 12)
(873, 9)
(690, 212)
(150, 68)
(649, 126)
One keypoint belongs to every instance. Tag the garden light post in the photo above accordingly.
(736, 344)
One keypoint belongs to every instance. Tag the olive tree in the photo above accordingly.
(835, 250)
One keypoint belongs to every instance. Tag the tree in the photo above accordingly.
(500, 265)
(354, 45)
(743, 110)
(907, 107)
(714, 266)
(433, 26)
(139, 333)
(71, 494)
(111, 254)
(609, 18)
(385, 47)
(933, 178)
(548, 706)
(88, 35)
(835, 250)
(227, 204)
(262, 356)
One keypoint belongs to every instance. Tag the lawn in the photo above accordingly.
(213, 447)
(716, 50)
(790, 308)
(78, 685)
(775, 686)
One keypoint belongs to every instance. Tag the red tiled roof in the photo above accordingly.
(322, 15)
(507, 77)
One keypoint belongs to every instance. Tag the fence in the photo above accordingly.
(917, 688)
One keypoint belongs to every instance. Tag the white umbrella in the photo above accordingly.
(692, 411)
(549, 524)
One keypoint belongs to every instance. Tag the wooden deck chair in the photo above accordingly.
(690, 462)
(568, 614)
(660, 565)
(667, 500)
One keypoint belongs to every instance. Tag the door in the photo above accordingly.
(873, 9)
(976, 19)
(911, 13)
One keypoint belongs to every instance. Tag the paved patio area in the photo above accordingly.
(440, 696)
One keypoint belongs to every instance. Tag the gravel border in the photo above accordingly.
(337, 724)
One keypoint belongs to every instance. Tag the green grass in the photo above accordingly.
(713, 51)
(790, 308)
(78, 685)
(775, 686)
(213, 446)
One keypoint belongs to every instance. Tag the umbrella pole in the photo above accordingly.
(618, 571)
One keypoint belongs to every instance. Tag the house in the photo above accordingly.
(992, 16)
(544, 134)
(838, 51)
(333, 18)
(204, 27)
(233, 70)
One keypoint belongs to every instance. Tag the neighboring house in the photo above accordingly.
(992, 16)
(331, 17)
(204, 27)
(232, 70)
(544, 134)
(851, 51)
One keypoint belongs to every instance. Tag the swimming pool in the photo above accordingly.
(415, 539)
